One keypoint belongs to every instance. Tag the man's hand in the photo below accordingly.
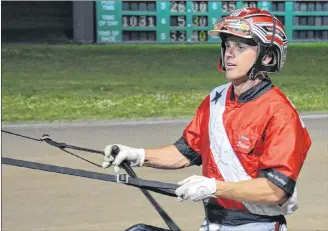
(135, 156)
(196, 188)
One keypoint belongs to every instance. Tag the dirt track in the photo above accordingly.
(34, 200)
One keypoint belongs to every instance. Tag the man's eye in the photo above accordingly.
(241, 48)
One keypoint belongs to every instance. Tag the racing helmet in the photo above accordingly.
(260, 27)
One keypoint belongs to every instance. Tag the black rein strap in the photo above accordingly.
(155, 186)
(130, 179)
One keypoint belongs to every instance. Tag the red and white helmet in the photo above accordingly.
(261, 27)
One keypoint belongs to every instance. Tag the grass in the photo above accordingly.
(100, 82)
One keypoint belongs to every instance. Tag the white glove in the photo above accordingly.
(135, 156)
(196, 188)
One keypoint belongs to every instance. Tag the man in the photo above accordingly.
(246, 134)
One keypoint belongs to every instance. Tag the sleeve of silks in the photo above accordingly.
(189, 144)
(286, 144)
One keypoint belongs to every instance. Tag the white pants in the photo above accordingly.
(260, 226)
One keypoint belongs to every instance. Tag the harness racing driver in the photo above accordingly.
(246, 134)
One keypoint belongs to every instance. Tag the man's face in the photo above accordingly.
(239, 57)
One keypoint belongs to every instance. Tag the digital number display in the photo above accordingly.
(188, 21)
(178, 36)
(178, 21)
(250, 4)
(139, 5)
(177, 6)
(199, 6)
(200, 21)
(310, 21)
(310, 35)
(278, 6)
(139, 36)
(138, 21)
(311, 6)
(228, 6)
(199, 36)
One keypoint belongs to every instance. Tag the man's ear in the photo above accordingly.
(267, 59)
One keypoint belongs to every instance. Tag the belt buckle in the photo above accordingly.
(122, 178)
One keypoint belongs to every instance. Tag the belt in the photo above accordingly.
(219, 215)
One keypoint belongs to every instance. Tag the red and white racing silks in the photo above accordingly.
(242, 140)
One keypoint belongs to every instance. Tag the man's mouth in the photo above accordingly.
(230, 66)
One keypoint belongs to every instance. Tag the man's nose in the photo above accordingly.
(229, 52)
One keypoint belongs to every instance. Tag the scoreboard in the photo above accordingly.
(188, 21)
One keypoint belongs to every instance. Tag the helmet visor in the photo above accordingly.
(232, 25)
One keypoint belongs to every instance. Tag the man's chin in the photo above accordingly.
(231, 76)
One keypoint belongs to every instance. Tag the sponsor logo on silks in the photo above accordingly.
(282, 181)
(241, 144)
(244, 138)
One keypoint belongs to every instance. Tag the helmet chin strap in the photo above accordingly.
(255, 69)
(252, 73)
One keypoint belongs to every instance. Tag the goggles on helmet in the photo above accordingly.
(232, 25)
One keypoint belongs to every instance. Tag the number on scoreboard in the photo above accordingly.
(199, 36)
(250, 4)
(178, 36)
(200, 21)
(228, 6)
(199, 6)
(144, 36)
(178, 21)
(139, 5)
(138, 21)
(178, 6)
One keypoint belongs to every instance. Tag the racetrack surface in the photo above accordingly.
(35, 200)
